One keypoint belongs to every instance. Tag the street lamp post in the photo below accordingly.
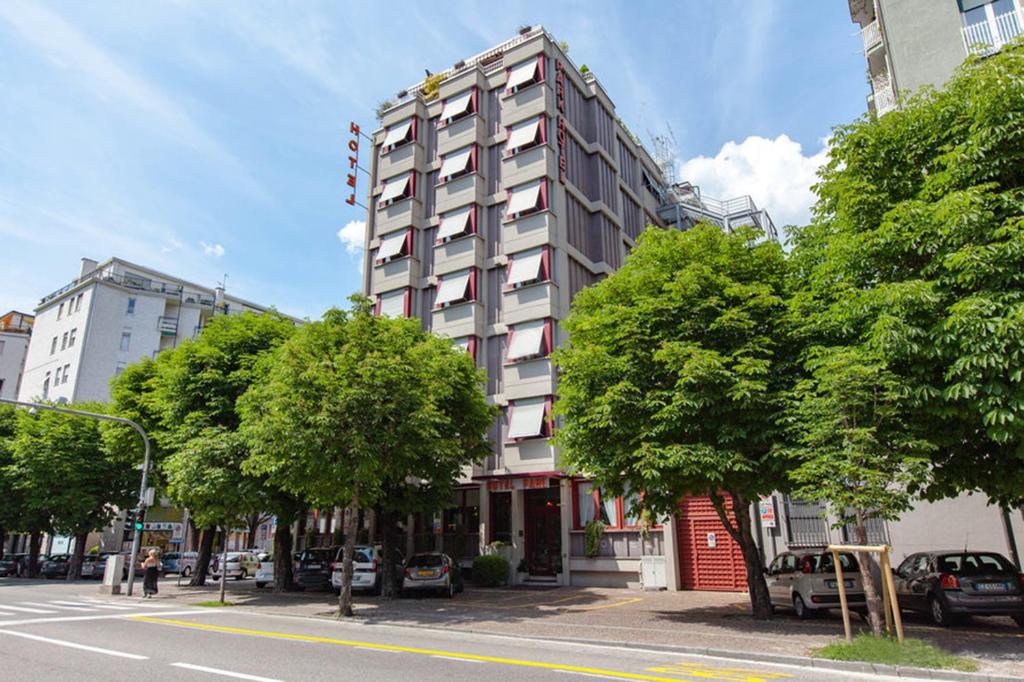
(137, 534)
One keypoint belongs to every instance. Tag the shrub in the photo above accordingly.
(592, 538)
(490, 570)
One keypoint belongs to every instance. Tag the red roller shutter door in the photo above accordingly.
(703, 567)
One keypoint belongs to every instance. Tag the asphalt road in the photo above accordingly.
(63, 631)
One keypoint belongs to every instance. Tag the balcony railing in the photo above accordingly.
(884, 94)
(987, 37)
(127, 281)
(871, 35)
(168, 326)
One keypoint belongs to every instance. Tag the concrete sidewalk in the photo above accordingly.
(694, 620)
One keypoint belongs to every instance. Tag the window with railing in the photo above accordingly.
(987, 26)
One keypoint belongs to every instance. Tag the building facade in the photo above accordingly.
(15, 332)
(113, 314)
(909, 44)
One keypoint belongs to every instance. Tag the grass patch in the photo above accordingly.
(912, 652)
(214, 604)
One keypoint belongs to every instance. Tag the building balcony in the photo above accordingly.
(168, 326)
(883, 94)
(988, 37)
(871, 35)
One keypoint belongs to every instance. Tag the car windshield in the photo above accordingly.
(171, 555)
(974, 563)
(426, 560)
(826, 564)
(315, 555)
(362, 556)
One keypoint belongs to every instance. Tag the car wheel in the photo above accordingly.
(376, 587)
(940, 614)
(1019, 620)
(187, 572)
(802, 612)
(336, 591)
(241, 575)
(260, 586)
(450, 591)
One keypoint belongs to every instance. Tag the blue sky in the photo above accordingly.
(205, 138)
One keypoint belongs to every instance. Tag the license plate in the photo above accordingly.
(312, 565)
(834, 584)
(425, 573)
(991, 587)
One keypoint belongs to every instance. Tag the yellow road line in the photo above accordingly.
(416, 650)
(723, 674)
(612, 605)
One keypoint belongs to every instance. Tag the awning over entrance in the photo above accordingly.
(530, 481)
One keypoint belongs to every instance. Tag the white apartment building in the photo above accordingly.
(113, 314)
(15, 332)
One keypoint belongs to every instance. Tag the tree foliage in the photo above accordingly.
(675, 373)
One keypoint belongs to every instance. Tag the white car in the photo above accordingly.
(367, 573)
(265, 570)
(240, 565)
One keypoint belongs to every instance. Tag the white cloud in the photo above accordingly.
(215, 250)
(353, 236)
(775, 173)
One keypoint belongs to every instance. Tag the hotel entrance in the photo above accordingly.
(543, 525)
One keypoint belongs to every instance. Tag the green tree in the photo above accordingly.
(352, 404)
(674, 376)
(856, 449)
(915, 255)
(11, 504)
(66, 476)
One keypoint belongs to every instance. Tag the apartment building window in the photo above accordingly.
(56, 376)
(399, 135)
(530, 418)
(457, 287)
(64, 341)
(528, 340)
(988, 25)
(457, 223)
(458, 163)
(78, 302)
(458, 106)
(126, 341)
(131, 307)
(65, 374)
(467, 344)
(46, 386)
(394, 246)
(526, 198)
(526, 135)
(119, 368)
(53, 346)
(71, 337)
(528, 267)
(2, 344)
(398, 189)
(60, 311)
(524, 74)
(395, 303)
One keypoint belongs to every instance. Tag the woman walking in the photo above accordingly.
(151, 566)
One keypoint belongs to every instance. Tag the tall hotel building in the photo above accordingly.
(495, 199)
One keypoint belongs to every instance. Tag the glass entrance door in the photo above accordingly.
(543, 531)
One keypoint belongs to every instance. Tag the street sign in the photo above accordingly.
(150, 496)
(766, 509)
(712, 540)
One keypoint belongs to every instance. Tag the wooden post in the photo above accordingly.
(890, 586)
(842, 595)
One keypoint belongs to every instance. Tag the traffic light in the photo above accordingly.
(140, 519)
(129, 525)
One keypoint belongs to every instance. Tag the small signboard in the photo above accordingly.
(712, 540)
(766, 508)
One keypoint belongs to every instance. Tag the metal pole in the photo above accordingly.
(136, 537)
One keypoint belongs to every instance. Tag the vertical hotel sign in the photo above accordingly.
(353, 161)
(563, 164)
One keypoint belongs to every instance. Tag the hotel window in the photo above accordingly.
(525, 199)
(593, 503)
(528, 340)
(395, 303)
(467, 344)
(394, 246)
(528, 267)
(53, 346)
(459, 106)
(526, 135)
(529, 418)
(131, 307)
(457, 223)
(65, 374)
(399, 135)
(524, 74)
(60, 311)
(71, 337)
(64, 341)
(458, 163)
(126, 340)
(457, 287)
(398, 189)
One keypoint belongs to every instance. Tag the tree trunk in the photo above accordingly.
(386, 531)
(34, 541)
(223, 569)
(283, 579)
(203, 559)
(741, 532)
(351, 519)
(3, 538)
(75, 569)
(867, 577)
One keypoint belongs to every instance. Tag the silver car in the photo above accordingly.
(434, 572)
(806, 582)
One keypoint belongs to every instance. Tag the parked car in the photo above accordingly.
(949, 585)
(93, 567)
(806, 582)
(434, 572)
(367, 569)
(264, 570)
(240, 565)
(313, 569)
(22, 560)
(182, 563)
(56, 566)
(9, 566)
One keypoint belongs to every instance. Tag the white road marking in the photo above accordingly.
(74, 645)
(5, 613)
(106, 616)
(456, 658)
(52, 605)
(380, 651)
(224, 673)
(577, 672)
(27, 610)
(90, 606)
(96, 602)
